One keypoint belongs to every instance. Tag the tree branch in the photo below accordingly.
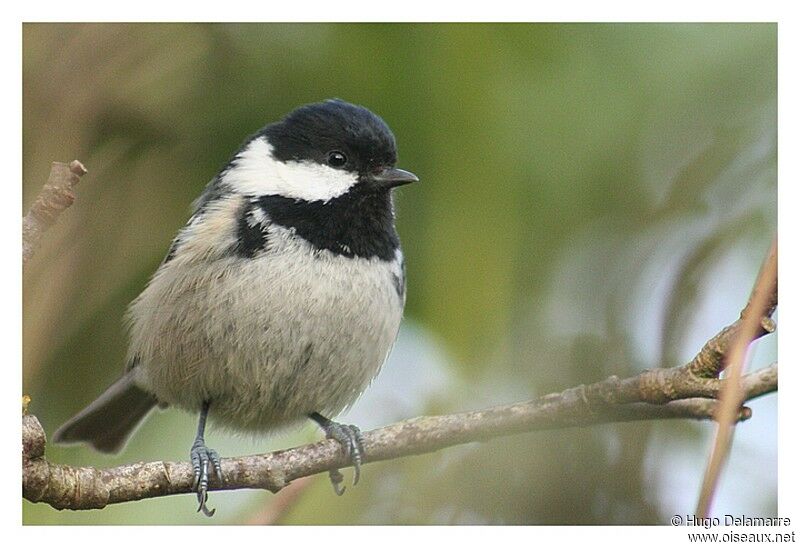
(84, 488)
(55, 197)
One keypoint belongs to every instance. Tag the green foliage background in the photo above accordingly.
(595, 199)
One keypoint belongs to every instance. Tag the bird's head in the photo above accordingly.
(319, 152)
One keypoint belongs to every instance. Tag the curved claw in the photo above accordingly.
(336, 481)
(201, 456)
(352, 441)
(202, 498)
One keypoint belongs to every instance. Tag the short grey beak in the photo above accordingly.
(393, 176)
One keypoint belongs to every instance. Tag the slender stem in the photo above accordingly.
(762, 302)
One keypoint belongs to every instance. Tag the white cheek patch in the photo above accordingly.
(256, 172)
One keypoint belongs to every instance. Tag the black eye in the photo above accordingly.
(336, 159)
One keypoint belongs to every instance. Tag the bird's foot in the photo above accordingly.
(201, 457)
(350, 438)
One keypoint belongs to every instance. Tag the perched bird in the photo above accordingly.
(281, 297)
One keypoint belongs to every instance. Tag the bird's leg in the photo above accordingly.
(351, 440)
(201, 456)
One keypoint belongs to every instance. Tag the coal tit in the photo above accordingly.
(281, 297)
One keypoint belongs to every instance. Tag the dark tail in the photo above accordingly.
(108, 421)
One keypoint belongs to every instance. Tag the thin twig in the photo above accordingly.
(280, 504)
(83, 488)
(763, 300)
(55, 197)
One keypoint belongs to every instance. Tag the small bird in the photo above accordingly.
(278, 301)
